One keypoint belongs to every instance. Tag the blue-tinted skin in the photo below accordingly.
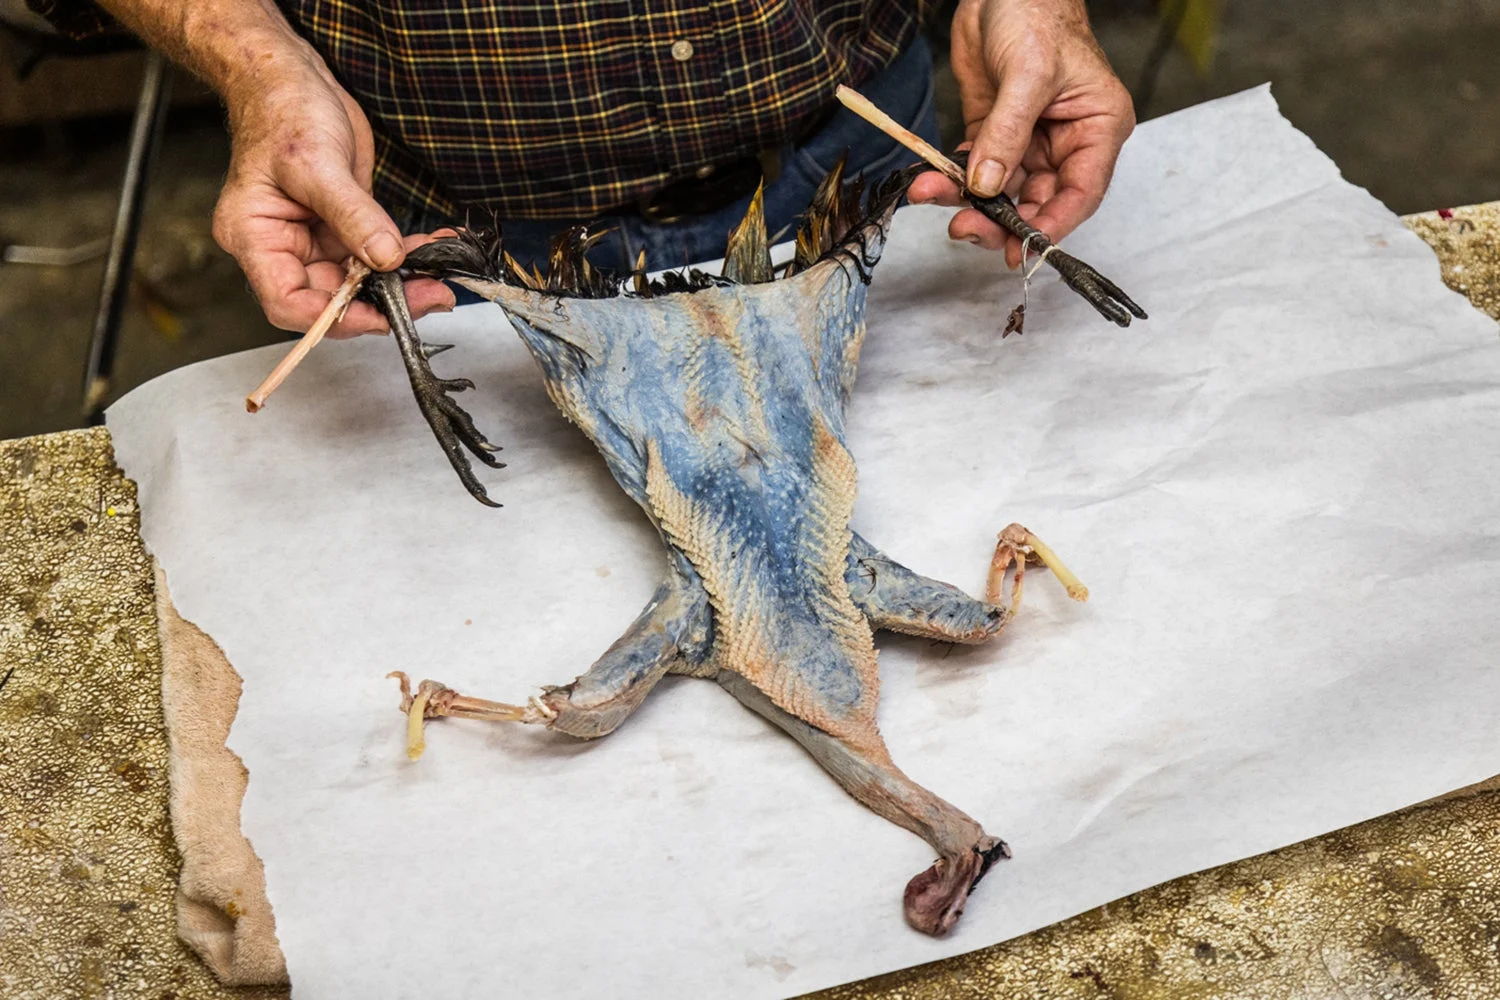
(721, 412)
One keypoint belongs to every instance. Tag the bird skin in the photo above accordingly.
(718, 404)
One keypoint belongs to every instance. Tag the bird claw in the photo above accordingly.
(451, 424)
(1101, 293)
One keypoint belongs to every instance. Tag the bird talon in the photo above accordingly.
(450, 423)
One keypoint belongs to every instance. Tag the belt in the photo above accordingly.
(714, 186)
(710, 189)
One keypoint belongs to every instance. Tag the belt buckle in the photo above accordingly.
(652, 212)
(662, 208)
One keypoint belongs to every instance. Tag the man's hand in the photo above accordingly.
(297, 201)
(1044, 113)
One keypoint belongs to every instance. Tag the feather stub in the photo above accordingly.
(747, 257)
(569, 271)
(834, 225)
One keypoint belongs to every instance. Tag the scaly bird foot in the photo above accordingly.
(450, 423)
(1101, 293)
(434, 700)
(935, 899)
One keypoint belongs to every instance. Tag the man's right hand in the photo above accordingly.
(297, 202)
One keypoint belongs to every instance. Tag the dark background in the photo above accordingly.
(1404, 96)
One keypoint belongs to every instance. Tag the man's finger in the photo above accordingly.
(293, 295)
(1081, 183)
(428, 295)
(970, 226)
(355, 218)
(1064, 211)
(423, 296)
(1038, 189)
(281, 284)
(932, 188)
(327, 277)
(324, 278)
(1006, 132)
(359, 318)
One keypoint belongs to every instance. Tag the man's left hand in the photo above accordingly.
(1043, 111)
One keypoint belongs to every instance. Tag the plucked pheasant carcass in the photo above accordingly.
(718, 404)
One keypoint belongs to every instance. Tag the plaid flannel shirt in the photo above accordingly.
(557, 109)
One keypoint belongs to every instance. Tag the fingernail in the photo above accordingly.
(971, 238)
(986, 178)
(382, 250)
(446, 307)
(922, 201)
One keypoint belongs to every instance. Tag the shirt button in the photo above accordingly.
(682, 50)
(706, 171)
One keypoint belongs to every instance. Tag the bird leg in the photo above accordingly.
(934, 900)
(434, 700)
(896, 599)
(450, 423)
(1016, 545)
(671, 629)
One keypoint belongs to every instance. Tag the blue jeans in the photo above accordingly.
(904, 90)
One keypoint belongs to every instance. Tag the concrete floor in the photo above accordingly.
(1405, 97)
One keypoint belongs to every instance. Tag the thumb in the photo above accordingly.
(1006, 132)
(360, 224)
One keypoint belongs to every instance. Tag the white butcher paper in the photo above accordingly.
(1281, 491)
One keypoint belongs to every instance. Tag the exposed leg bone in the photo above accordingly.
(894, 598)
(434, 700)
(934, 900)
(1016, 544)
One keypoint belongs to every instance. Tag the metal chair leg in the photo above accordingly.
(145, 138)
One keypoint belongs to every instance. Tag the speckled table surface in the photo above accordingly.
(87, 865)
(1467, 241)
(1406, 906)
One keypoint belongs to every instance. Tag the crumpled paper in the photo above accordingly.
(1280, 490)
